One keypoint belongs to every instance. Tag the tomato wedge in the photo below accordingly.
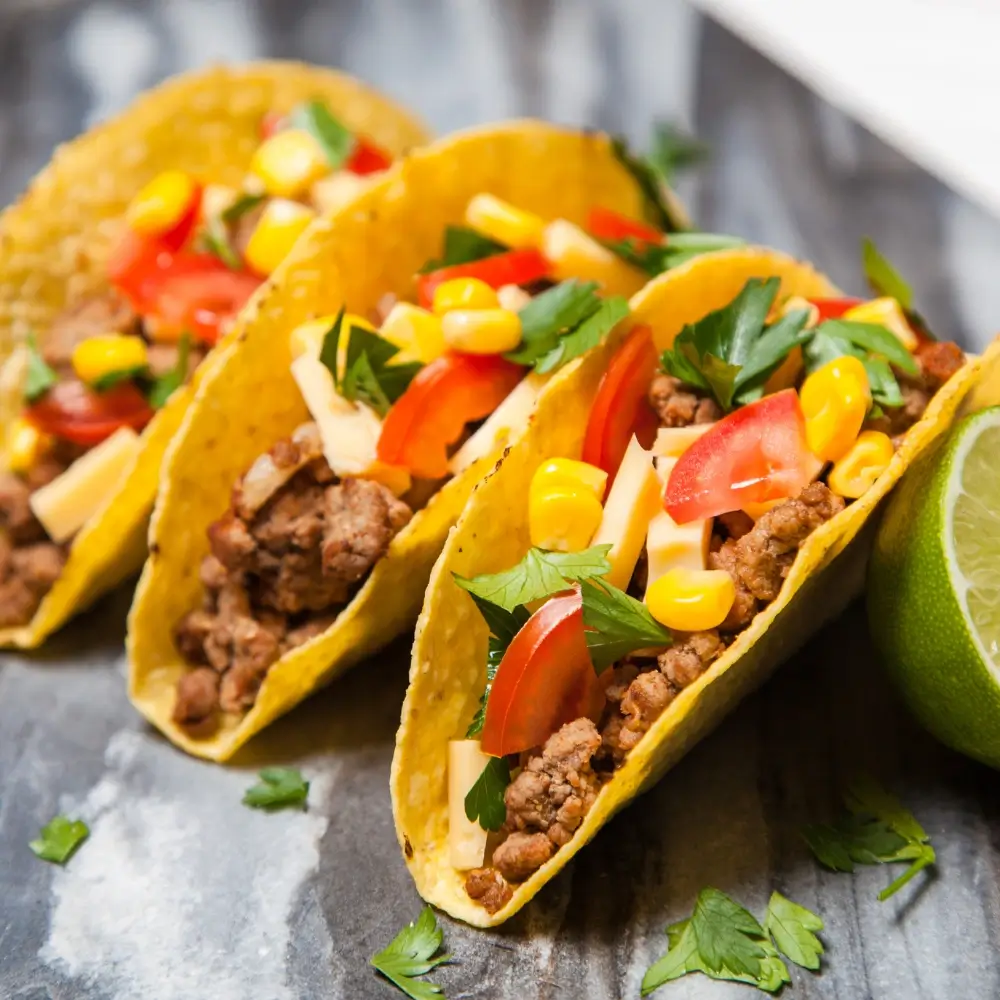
(604, 224)
(73, 411)
(545, 680)
(757, 453)
(197, 293)
(834, 308)
(514, 267)
(621, 407)
(446, 395)
(367, 157)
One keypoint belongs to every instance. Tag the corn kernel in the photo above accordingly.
(512, 297)
(566, 473)
(280, 225)
(501, 221)
(835, 400)
(481, 331)
(394, 478)
(289, 162)
(415, 331)
(25, 444)
(691, 600)
(464, 293)
(889, 313)
(574, 254)
(867, 459)
(162, 203)
(564, 518)
(97, 357)
(795, 303)
(759, 509)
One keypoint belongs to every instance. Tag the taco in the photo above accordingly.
(675, 522)
(123, 264)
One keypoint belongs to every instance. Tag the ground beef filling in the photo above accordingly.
(289, 553)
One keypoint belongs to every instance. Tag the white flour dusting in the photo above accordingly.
(181, 891)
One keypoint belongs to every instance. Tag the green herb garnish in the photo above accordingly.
(655, 258)
(111, 379)
(485, 802)
(883, 279)
(244, 204)
(59, 839)
(674, 150)
(878, 830)
(167, 384)
(39, 377)
(410, 954)
(214, 240)
(650, 183)
(335, 138)
(463, 246)
(616, 624)
(278, 788)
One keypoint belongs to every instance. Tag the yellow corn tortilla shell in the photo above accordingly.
(447, 672)
(55, 242)
(249, 401)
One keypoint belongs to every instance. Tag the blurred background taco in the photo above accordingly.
(123, 265)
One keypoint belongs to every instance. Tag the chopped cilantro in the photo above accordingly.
(278, 788)
(335, 138)
(463, 246)
(39, 377)
(650, 184)
(674, 150)
(485, 802)
(679, 248)
(410, 954)
(166, 385)
(883, 279)
(214, 240)
(616, 624)
(244, 204)
(111, 379)
(59, 839)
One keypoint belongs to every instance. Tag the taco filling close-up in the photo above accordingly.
(190, 257)
(703, 471)
(400, 401)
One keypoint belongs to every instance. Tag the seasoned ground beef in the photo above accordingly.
(690, 656)
(285, 557)
(489, 887)
(939, 360)
(723, 556)
(678, 405)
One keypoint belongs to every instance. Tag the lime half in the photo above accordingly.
(934, 588)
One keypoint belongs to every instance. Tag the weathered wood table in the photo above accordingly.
(181, 892)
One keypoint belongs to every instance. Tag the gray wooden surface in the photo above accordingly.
(181, 892)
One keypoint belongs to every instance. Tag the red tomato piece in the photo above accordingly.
(73, 411)
(446, 395)
(834, 308)
(757, 453)
(545, 680)
(271, 123)
(514, 267)
(604, 224)
(197, 293)
(367, 157)
(621, 407)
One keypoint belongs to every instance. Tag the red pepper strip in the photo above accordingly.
(447, 394)
(271, 123)
(367, 157)
(834, 308)
(604, 224)
(73, 411)
(515, 267)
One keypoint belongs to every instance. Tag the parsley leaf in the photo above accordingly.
(873, 339)
(244, 204)
(39, 377)
(586, 336)
(539, 574)
(329, 352)
(552, 314)
(165, 386)
(111, 379)
(411, 953)
(616, 624)
(879, 830)
(650, 183)
(59, 839)
(792, 927)
(726, 933)
(883, 278)
(655, 258)
(214, 239)
(675, 150)
(278, 787)
(485, 802)
(463, 246)
(503, 625)
(335, 138)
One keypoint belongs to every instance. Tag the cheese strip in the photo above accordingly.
(672, 442)
(466, 839)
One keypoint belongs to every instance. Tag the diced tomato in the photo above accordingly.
(545, 680)
(514, 267)
(604, 224)
(621, 407)
(834, 308)
(445, 395)
(757, 453)
(272, 122)
(75, 412)
(367, 157)
(197, 294)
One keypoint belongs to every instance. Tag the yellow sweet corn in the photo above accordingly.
(835, 400)
(512, 297)
(568, 472)
(889, 313)
(574, 254)
(415, 331)
(97, 357)
(289, 162)
(464, 293)
(758, 510)
(281, 224)
(691, 600)
(795, 303)
(501, 221)
(161, 204)
(481, 331)
(867, 459)
(25, 445)
(564, 518)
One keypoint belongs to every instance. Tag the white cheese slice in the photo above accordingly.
(669, 544)
(632, 503)
(466, 839)
(70, 500)
(674, 441)
(512, 414)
